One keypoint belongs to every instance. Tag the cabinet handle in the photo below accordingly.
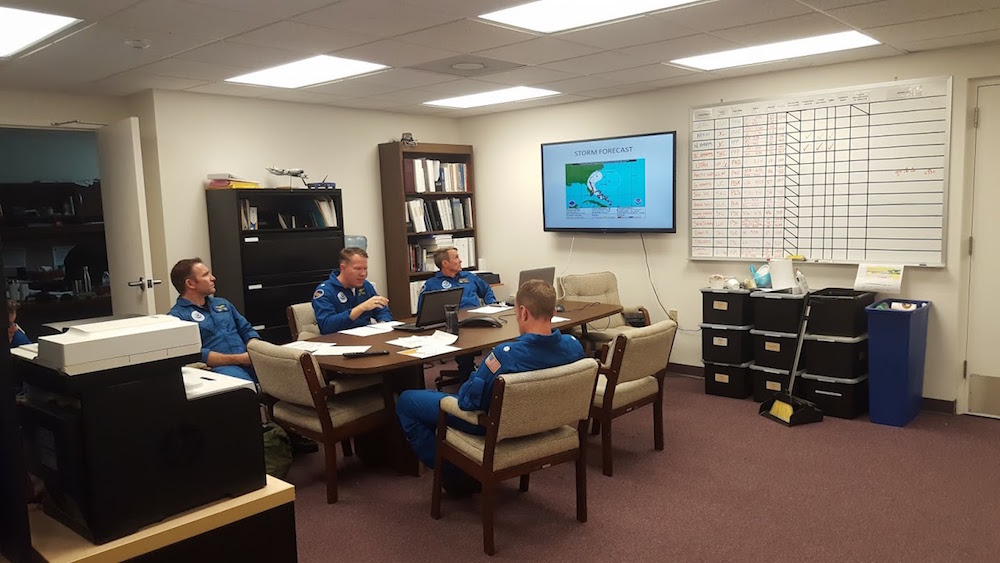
(254, 286)
(251, 239)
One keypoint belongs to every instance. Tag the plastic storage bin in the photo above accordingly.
(726, 307)
(777, 311)
(897, 345)
(768, 381)
(836, 356)
(725, 344)
(727, 380)
(774, 349)
(842, 398)
(839, 312)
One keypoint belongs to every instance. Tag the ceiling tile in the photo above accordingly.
(528, 75)
(351, 88)
(646, 86)
(579, 84)
(282, 9)
(408, 97)
(592, 64)
(464, 8)
(465, 36)
(974, 22)
(538, 51)
(663, 51)
(404, 78)
(644, 73)
(724, 14)
(196, 70)
(834, 4)
(241, 55)
(197, 20)
(294, 36)
(626, 33)
(952, 41)
(136, 81)
(384, 18)
(394, 53)
(461, 87)
(889, 12)
(230, 89)
(303, 96)
(785, 29)
(366, 103)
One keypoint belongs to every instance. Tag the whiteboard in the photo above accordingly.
(850, 175)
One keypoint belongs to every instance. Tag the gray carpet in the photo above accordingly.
(730, 485)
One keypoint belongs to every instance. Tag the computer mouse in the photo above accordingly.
(559, 309)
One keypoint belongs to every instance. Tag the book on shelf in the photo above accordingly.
(415, 288)
(231, 184)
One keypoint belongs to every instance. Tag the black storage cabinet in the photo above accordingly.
(726, 306)
(836, 356)
(725, 344)
(774, 349)
(727, 380)
(839, 312)
(777, 311)
(842, 398)
(768, 381)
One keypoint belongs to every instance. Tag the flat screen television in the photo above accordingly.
(611, 185)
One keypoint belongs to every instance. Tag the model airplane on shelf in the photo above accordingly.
(300, 174)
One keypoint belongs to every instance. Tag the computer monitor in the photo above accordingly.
(432, 304)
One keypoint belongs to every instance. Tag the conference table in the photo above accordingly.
(400, 372)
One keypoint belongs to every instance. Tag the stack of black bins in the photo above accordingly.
(726, 347)
(776, 317)
(836, 377)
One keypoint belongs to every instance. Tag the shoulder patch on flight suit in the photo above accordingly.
(197, 316)
(319, 293)
(492, 362)
(446, 284)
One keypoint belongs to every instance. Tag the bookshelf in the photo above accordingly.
(267, 265)
(428, 199)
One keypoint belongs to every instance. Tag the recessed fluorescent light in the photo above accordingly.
(315, 70)
(515, 94)
(21, 28)
(548, 16)
(779, 51)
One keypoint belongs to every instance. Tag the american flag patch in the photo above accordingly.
(492, 363)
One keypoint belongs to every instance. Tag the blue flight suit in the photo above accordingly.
(19, 339)
(473, 288)
(223, 330)
(332, 304)
(418, 408)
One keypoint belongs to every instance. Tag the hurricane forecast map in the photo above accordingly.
(607, 185)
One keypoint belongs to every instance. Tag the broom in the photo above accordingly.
(785, 407)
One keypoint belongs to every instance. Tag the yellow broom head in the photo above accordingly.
(782, 411)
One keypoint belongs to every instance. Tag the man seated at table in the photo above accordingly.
(224, 331)
(450, 275)
(15, 336)
(538, 347)
(347, 299)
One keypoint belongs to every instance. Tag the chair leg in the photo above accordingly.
(581, 485)
(658, 422)
(489, 506)
(524, 482)
(595, 426)
(606, 447)
(346, 446)
(330, 449)
(436, 491)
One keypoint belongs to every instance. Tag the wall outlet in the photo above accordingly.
(672, 313)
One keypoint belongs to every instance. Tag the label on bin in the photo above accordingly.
(772, 385)
(720, 341)
(720, 305)
(772, 346)
(721, 378)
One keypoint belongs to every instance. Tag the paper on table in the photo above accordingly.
(386, 324)
(559, 319)
(341, 350)
(368, 330)
(430, 350)
(438, 338)
(309, 346)
(490, 309)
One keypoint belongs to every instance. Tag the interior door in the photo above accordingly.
(125, 226)
(983, 370)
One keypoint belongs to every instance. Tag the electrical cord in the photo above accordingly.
(570, 257)
(649, 276)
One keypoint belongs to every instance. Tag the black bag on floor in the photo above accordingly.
(277, 451)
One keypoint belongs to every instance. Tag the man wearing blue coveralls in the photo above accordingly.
(450, 275)
(347, 299)
(538, 347)
(224, 331)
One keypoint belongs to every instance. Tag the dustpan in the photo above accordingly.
(786, 408)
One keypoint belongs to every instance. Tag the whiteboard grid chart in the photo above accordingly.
(847, 176)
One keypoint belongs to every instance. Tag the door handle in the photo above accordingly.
(141, 284)
(151, 282)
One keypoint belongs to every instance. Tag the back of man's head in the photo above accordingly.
(538, 297)
(348, 254)
(181, 272)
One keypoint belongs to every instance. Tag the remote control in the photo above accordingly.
(365, 354)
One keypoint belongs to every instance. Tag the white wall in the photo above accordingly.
(197, 134)
(509, 195)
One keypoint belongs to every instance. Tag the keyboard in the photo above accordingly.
(411, 327)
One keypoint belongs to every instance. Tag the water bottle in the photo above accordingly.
(451, 319)
(87, 284)
(106, 279)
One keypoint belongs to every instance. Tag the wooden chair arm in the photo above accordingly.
(449, 405)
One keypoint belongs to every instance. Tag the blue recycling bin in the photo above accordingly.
(897, 345)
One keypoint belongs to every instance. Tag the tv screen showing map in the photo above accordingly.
(617, 184)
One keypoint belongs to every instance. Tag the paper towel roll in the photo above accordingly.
(900, 306)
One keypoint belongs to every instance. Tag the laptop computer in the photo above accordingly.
(431, 312)
(547, 274)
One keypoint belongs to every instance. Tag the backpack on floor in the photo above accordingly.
(277, 451)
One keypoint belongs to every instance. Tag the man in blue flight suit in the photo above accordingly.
(538, 347)
(450, 275)
(224, 331)
(347, 299)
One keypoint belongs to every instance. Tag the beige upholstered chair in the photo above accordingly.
(603, 288)
(302, 321)
(631, 377)
(302, 403)
(536, 419)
